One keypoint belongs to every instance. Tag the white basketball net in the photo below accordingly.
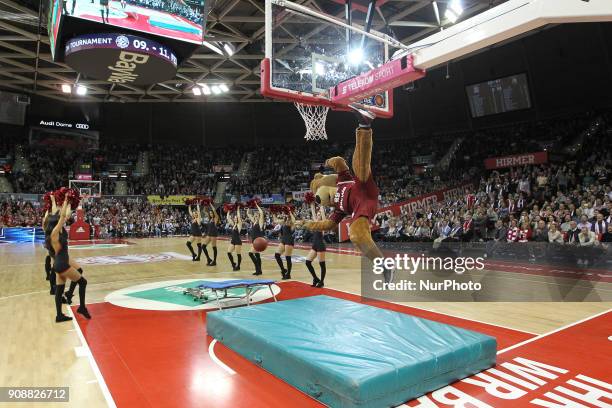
(314, 117)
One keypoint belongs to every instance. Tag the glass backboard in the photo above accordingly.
(307, 53)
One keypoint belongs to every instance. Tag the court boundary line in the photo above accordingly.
(217, 360)
(567, 326)
(110, 402)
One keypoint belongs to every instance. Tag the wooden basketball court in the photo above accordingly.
(133, 357)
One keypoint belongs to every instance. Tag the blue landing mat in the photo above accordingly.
(347, 354)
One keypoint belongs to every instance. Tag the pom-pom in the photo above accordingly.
(309, 197)
(47, 201)
(253, 202)
(60, 195)
(289, 208)
(74, 197)
(229, 207)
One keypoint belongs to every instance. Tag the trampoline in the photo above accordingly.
(216, 291)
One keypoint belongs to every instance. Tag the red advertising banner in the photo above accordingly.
(412, 205)
(516, 160)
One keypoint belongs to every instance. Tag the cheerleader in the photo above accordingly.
(317, 250)
(196, 233)
(65, 268)
(256, 231)
(235, 243)
(286, 245)
(50, 219)
(212, 232)
(104, 6)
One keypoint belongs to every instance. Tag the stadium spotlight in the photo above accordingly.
(319, 68)
(213, 47)
(355, 56)
(216, 90)
(196, 91)
(66, 88)
(223, 87)
(205, 89)
(229, 49)
(453, 11)
(81, 90)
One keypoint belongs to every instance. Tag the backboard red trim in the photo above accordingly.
(282, 94)
(381, 79)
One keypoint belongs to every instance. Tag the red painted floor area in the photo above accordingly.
(161, 359)
(568, 368)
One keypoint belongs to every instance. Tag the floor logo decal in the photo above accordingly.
(168, 295)
(131, 259)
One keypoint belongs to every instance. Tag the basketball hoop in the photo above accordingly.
(314, 117)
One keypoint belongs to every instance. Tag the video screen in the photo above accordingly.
(177, 19)
(55, 14)
(499, 96)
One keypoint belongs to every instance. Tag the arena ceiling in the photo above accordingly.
(26, 65)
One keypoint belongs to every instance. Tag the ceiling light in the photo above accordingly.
(66, 88)
(223, 87)
(216, 90)
(196, 91)
(81, 90)
(319, 68)
(228, 49)
(213, 47)
(453, 11)
(355, 56)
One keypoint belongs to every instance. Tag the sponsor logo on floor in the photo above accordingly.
(170, 295)
(132, 259)
(98, 246)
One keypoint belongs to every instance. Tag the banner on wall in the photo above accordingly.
(516, 160)
(109, 199)
(169, 200)
(412, 205)
(32, 198)
(266, 200)
(425, 159)
(299, 195)
(223, 168)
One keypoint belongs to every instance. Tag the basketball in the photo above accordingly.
(260, 244)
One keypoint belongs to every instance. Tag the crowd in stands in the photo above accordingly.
(19, 213)
(176, 7)
(566, 202)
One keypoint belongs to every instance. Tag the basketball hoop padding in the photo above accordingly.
(384, 78)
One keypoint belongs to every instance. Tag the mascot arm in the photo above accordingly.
(326, 225)
(362, 156)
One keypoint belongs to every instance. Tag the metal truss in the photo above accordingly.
(26, 65)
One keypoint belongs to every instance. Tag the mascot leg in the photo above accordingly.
(361, 236)
(362, 156)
